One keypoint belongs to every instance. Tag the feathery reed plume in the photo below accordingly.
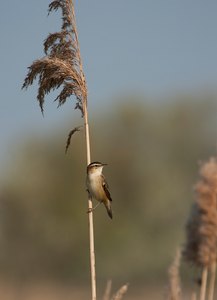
(120, 293)
(76, 129)
(174, 278)
(201, 230)
(61, 68)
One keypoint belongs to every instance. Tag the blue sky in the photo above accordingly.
(154, 47)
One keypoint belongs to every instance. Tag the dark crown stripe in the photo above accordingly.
(95, 163)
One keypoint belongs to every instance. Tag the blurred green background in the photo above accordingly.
(152, 150)
(151, 70)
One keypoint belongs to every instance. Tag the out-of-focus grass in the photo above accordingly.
(53, 291)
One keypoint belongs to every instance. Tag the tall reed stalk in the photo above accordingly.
(61, 67)
(203, 283)
(174, 291)
(212, 281)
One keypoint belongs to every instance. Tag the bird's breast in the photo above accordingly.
(94, 185)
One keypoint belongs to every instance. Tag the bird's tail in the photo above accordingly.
(109, 209)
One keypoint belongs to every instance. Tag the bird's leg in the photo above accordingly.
(88, 193)
(93, 208)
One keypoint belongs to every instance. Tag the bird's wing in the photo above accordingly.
(106, 188)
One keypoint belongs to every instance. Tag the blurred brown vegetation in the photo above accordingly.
(152, 150)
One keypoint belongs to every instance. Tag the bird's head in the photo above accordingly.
(95, 167)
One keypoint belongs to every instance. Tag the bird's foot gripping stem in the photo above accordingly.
(93, 208)
(89, 210)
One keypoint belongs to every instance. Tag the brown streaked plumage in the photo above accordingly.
(97, 185)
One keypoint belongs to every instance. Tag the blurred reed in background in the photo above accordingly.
(152, 149)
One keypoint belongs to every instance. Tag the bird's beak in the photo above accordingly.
(105, 164)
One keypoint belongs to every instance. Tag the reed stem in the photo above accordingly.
(212, 281)
(88, 158)
(204, 283)
(90, 215)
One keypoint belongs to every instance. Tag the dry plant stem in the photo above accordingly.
(108, 290)
(87, 138)
(174, 278)
(212, 281)
(204, 283)
(90, 206)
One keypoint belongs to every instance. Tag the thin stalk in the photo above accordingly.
(174, 278)
(87, 139)
(90, 219)
(212, 281)
(107, 290)
(204, 283)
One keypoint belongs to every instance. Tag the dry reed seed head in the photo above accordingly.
(70, 136)
(121, 292)
(201, 245)
(66, 7)
(209, 172)
(62, 64)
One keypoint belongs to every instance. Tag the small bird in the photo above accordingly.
(97, 185)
